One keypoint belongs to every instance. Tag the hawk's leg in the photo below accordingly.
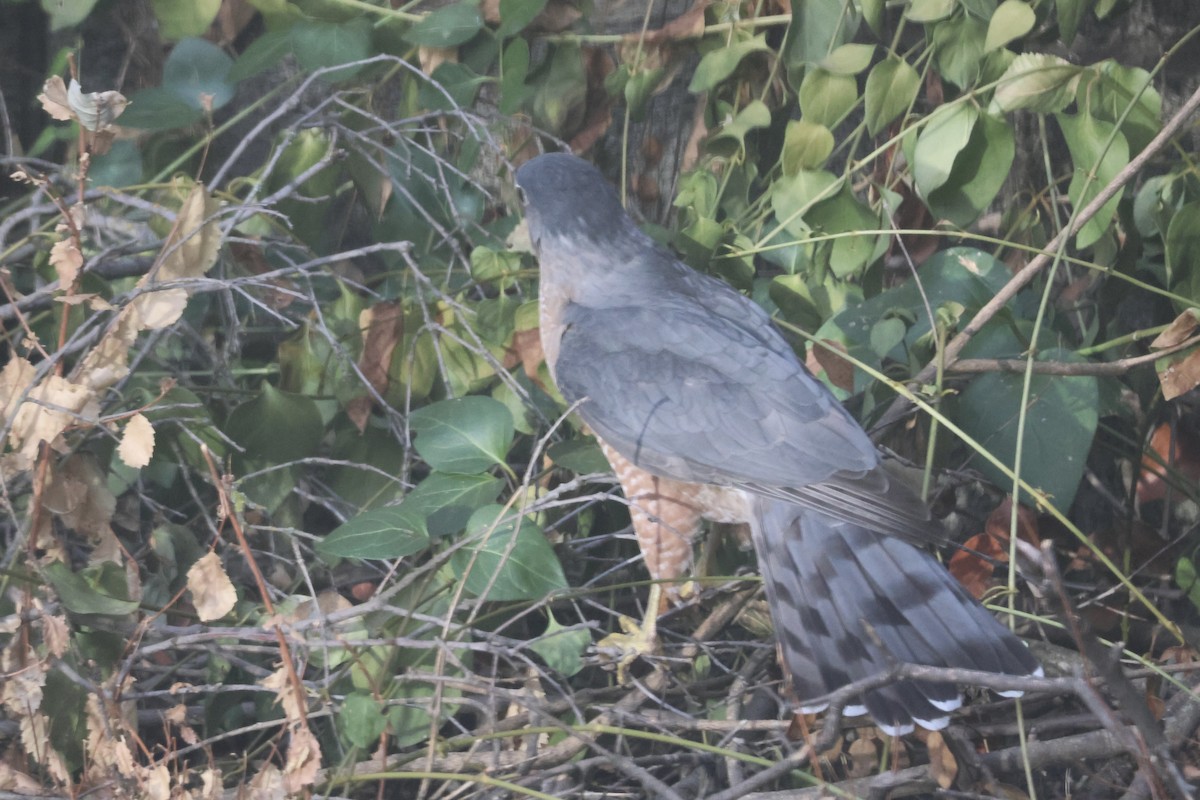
(665, 519)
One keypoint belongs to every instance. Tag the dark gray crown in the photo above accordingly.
(566, 196)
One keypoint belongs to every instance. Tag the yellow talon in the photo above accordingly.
(637, 640)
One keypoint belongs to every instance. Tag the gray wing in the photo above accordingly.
(700, 387)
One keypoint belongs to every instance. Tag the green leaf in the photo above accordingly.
(384, 533)
(507, 558)
(1095, 166)
(467, 434)
(1070, 14)
(361, 720)
(818, 27)
(1113, 91)
(445, 501)
(849, 59)
(794, 297)
(159, 109)
(980, 9)
(177, 20)
(263, 53)
(825, 98)
(886, 334)
(197, 68)
(1041, 83)
(514, 69)
(806, 145)
(560, 648)
(101, 589)
(938, 144)
(892, 86)
(276, 426)
(1060, 422)
(958, 49)
(929, 10)
(448, 26)
(561, 87)
(873, 15)
(1187, 579)
(848, 255)
(1012, 20)
(318, 45)
(515, 15)
(979, 172)
(452, 86)
(754, 115)
(719, 64)
(488, 264)
(960, 275)
(1183, 252)
(581, 456)
(794, 196)
(66, 13)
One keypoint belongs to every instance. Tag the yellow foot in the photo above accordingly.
(622, 649)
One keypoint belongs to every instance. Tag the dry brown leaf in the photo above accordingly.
(974, 564)
(280, 682)
(19, 783)
(303, 760)
(382, 325)
(839, 370)
(35, 738)
(157, 783)
(688, 25)
(21, 693)
(431, 58)
(107, 362)
(191, 249)
(67, 261)
(213, 594)
(18, 374)
(526, 348)
(943, 767)
(78, 494)
(210, 784)
(157, 310)
(49, 408)
(1174, 446)
(96, 111)
(137, 442)
(54, 99)
(864, 757)
(1179, 373)
(1179, 331)
(267, 784)
(56, 635)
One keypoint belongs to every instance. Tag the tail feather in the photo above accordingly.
(849, 603)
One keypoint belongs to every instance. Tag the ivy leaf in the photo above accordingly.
(384, 533)
(825, 98)
(560, 648)
(467, 434)
(1097, 162)
(719, 64)
(1012, 20)
(507, 558)
(938, 144)
(448, 26)
(276, 426)
(1060, 422)
(1038, 82)
(891, 87)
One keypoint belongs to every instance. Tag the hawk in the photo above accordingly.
(704, 410)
